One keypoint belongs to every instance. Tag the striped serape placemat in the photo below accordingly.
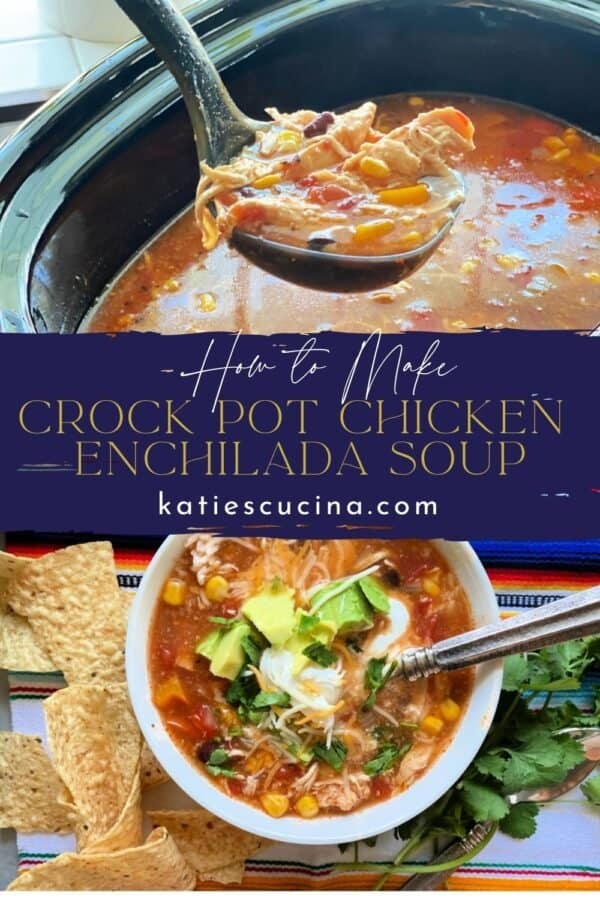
(564, 852)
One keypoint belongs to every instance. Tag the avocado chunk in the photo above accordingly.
(209, 643)
(349, 611)
(272, 612)
(229, 656)
(322, 631)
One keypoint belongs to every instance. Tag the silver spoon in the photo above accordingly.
(574, 616)
(221, 131)
(590, 740)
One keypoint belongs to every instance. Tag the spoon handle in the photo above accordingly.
(219, 126)
(574, 616)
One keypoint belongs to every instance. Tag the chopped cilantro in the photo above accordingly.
(252, 649)
(377, 673)
(320, 654)
(307, 623)
(271, 698)
(219, 763)
(386, 758)
(334, 756)
(222, 621)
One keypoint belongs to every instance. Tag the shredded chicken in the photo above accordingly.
(342, 795)
(329, 149)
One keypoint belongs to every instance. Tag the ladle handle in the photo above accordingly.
(571, 617)
(220, 128)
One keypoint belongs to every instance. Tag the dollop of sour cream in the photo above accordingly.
(314, 688)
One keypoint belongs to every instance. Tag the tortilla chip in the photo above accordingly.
(32, 796)
(10, 566)
(207, 842)
(155, 866)
(73, 603)
(19, 650)
(232, 874)
(152, 772)
(96, 745)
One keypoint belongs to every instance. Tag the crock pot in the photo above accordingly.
(104, 165)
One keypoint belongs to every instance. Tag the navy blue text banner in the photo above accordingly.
(489, 435)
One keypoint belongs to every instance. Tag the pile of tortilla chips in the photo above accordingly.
(65, 612)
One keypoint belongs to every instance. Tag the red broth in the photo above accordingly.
(523, 254)
(320, 741)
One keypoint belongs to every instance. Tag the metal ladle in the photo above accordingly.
(221, 131)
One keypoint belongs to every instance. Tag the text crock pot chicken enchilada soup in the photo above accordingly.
(523, 252)
(272, 663)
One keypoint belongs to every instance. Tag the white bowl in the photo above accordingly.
(365, 822)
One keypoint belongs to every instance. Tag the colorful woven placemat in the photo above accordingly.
(563, 854)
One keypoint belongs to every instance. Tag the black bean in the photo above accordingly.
(318, 243)
(319, 124)
(391, 577)
(247, 192)
(204, 751)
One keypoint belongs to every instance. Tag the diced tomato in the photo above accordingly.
(327, 193)
(235, 786)
(350, 202)
(381, 788)
(288, 772)
(308, 181)
(167, 655)
(201, 724)
(586, 196)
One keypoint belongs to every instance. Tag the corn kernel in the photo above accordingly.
(259, 761)
(174, 592)
(469, 266)
(169, 691)
(593, 158)
(553, 143)
(572, 139)
(562, 154)
(307, 806)
(508, 261)
(207, 302)
(267, 181)
(171, 285)
(370, 231)
(432, 725)
(412, 239)
(275, 805)
(288, 141)
(416, 101)
(216, 588)
(449, 710)
(431, 587)
(376, 168)
(405, 196)
(592, 276)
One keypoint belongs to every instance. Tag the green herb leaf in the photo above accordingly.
(520, 821)
(515, 673)
(271, 698)
(252, 649)
(387, 757)
(222, 621)
(377, 673)
(276, 584)
(219, 763)
(320, 654)
(376, 597)
(307, 623)
(334, 756)
(483, 802)
(591, 790)
(242, 690)
(491, 764)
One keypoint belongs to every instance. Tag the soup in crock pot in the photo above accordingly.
(272, 663)
(524, 252)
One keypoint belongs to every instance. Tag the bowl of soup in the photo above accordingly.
(96, 221)
(261, 672)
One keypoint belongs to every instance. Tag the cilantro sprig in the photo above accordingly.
(522, 750)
